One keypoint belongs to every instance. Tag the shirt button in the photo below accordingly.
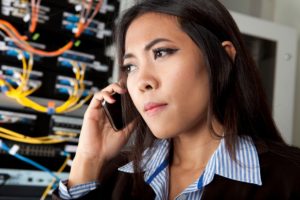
(182, 197)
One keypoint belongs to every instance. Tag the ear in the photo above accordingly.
(230, 49)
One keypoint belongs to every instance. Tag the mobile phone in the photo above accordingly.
(114, 112)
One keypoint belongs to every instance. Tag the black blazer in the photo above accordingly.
(280, 180)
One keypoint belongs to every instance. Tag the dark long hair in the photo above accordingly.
(237, 99)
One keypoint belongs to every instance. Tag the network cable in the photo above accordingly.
(61, 169)
(8, 150)
(21, 42)
(20, 93)
(53, 139)
(35, 7)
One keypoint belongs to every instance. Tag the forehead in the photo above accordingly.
(153, 25)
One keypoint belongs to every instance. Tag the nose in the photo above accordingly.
(148, 80)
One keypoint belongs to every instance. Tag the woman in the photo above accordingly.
(202, 128)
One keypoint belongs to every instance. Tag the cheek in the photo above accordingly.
(132, 91)
(194, 91)
(130, 84)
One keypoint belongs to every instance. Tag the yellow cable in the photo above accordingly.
(12, 135)
(80, 103)
(24, 79)
(53, 139)
(30, 140)
(9, 134)
(20, 94)
(61, 169)
(18, 135)
(72, 98)
(49, 137)
(82, 88)
(29, 92)
(63, 133)
(16, 93)
(31, 104)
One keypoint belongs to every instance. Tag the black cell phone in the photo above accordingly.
(114, 112)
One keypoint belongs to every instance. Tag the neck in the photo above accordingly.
(194, 149)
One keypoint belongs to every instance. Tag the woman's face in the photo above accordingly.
(167, 78)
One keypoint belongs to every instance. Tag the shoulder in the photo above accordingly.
(279, 164)
(279, 169)
(281, 154)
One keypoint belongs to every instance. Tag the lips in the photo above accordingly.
(152, 107)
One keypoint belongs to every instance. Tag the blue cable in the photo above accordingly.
(27, 160)
(4, 88)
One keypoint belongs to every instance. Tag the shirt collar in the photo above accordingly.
(152, 157)
(246, 168)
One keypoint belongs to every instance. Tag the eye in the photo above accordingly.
(128, 68)
(161, 52)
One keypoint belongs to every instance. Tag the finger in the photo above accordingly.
(105, 94)
(107, 97)
(115, 88)
(96, 101)
(99, 97)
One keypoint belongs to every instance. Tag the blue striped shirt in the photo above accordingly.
(155, 165)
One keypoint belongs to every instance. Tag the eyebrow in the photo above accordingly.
(148, 46)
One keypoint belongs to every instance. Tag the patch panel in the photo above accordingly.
(17, 3)
(63, 89)
(78, 56)
(43, 151)
(15, 52)
(65, 80)
(11, 71)
(12, 81)
(66, 124)
(15, 12)
(66, 59)
(21, 9)
(15, 82)
(104, 8)
(91, 31)
(29, 177)
(96, 65)
(99, 33)
(10, 43)
(68, 90)
(15, 117)
(73, 18)
(9, 48)
(95, 28)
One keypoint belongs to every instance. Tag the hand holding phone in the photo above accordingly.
(114, 112)
(98, 142)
